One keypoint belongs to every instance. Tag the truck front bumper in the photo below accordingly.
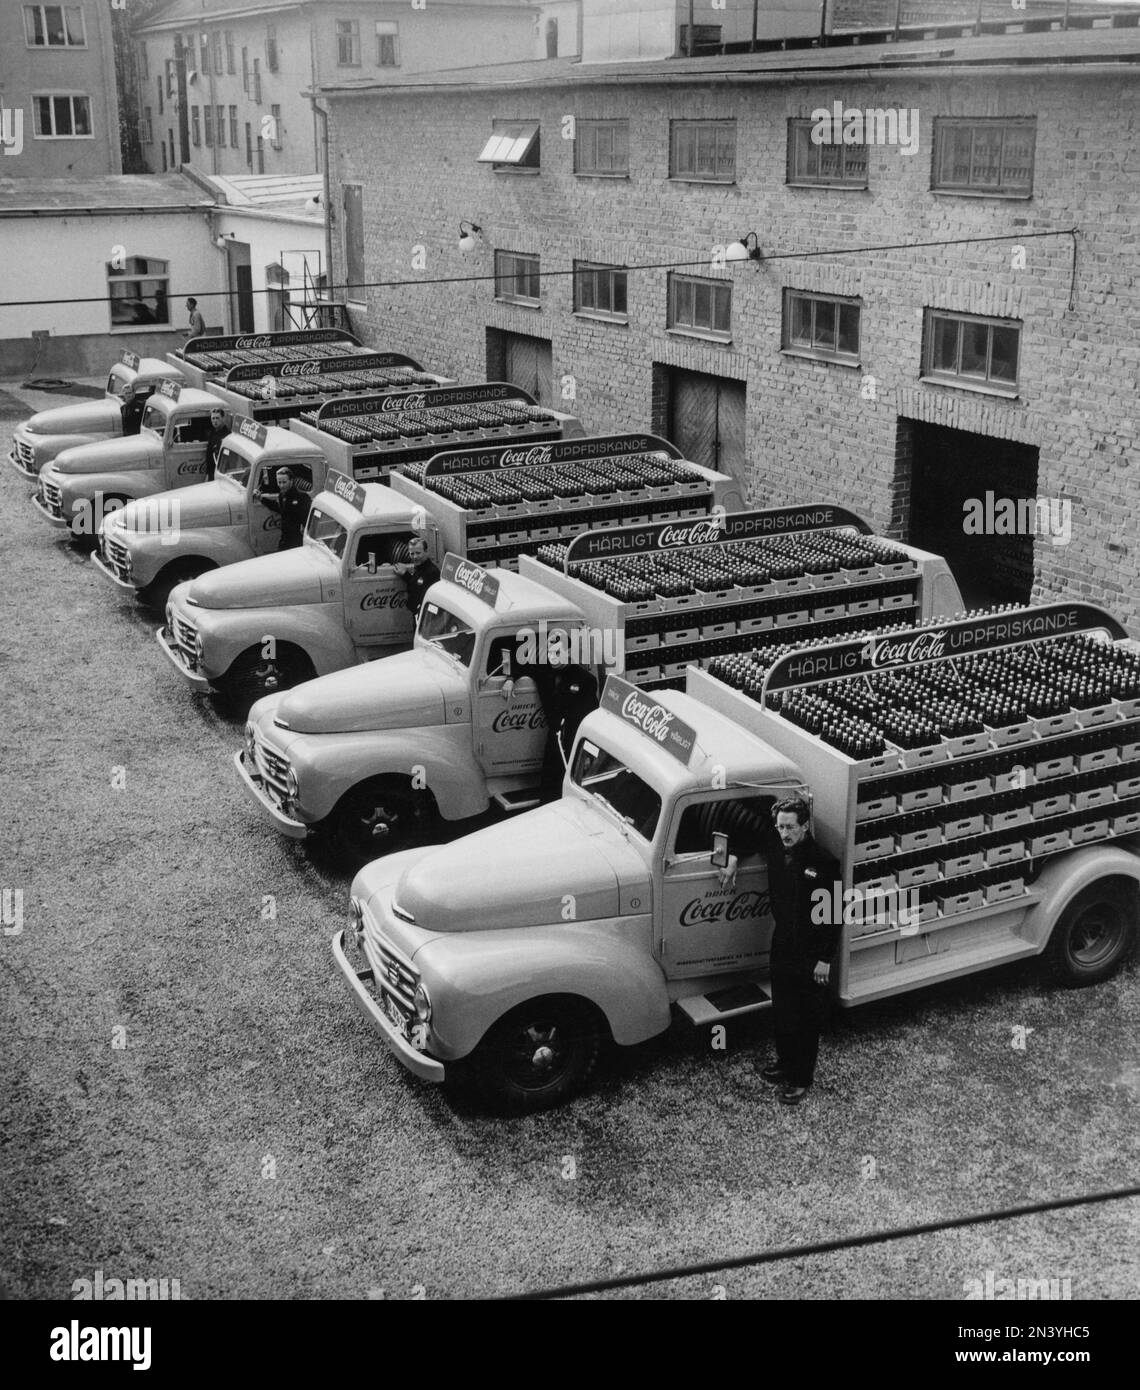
(255, 790)
(59, 522)
(174, 656)
(108, 573)
(426, 1068)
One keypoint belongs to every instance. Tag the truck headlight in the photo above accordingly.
(250, 743)
(291, 783)
(356, 915)
(199, 648)
(421, 1001)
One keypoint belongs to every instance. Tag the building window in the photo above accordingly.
(600, 290)
(195, 131)
(245, 70)
(260, 155)
(700, 306)
(203, 53)
(271, 48)
(513, 145)
(257, 81)
(516, 278)
(966, 350)
(993, 157)
(54, 26)
(144, 63)
(170, 137)
(552, 38)
(229, 34)
(703, 150)
(169, 77)
(147, 127)
(208, 124)
(387, 49)
(162, 147)
(348, 43)
(821, 325)
(216, 41)
(233, 127)
(249, 146)
(158, 84)
(62, 117)
(220, 125)
(138, 291)
(836, 165)
(601, 147)
(275, 128)
(353, 197)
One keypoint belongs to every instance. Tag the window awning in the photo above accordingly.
(510, 143)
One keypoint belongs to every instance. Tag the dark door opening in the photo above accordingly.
(705, 419)
(950, 474)
(523, 361)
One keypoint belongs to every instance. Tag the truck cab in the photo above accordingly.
(83, 484)
(46, 434)
(333, 601)
(155, 543)
(376, 755)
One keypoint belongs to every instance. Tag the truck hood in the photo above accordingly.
(202, 504)
(526, 872)
(288, 578)
(111, 455)
(92, 417)
(407, 691)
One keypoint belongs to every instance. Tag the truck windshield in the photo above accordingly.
(154, 419)
(231, 465)
(446, 631)
(326, 531)
(609, 781)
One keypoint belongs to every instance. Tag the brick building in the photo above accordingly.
(902, 382)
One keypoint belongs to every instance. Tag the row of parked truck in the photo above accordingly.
(977, 779)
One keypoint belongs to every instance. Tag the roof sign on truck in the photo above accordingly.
(470, 576)
(718, 528)
(555, 451)
(642, 712)
(892, 651)
(129, 359)
(320, 366)
(250, 429)
(346, 488)
(269, 340)
(169, 388)
(424, 400)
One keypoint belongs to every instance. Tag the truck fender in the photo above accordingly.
(199, 547)
(228, 633)
(475, 978)
(443, 751)
(1069, 874)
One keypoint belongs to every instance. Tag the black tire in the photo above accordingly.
(538, 1055)
(378, 817)
(157, 593)
(1094, 935)
(251, 675)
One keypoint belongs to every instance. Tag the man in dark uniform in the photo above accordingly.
(134, 403)
(291, 505)
(805, 940)
(568, 693)
(218, 432)
(419, 574)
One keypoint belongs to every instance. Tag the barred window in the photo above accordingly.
(992, 156)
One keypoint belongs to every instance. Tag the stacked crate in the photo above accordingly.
(283, 390)
(205, 359)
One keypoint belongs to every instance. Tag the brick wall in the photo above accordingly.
(811, 431)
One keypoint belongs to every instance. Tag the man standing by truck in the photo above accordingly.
(219, 431)
(134, 403)
(291, 505)
(419, 574)
(803, 945)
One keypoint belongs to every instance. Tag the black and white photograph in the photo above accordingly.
(570, 665)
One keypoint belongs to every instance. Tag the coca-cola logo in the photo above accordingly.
(515, 458)
(383, 598)
(922, 646)
(471, 578)
(185, 469)
(516, 721)
(271, 523)
(651, 718)
(411, 401)
(259, 341)
(301, 369)
(704, 912)
(703, 532)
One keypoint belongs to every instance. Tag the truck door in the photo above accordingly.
(375, 596)
(264, 525)
(509, 725)
(186, 441)
(712, 922)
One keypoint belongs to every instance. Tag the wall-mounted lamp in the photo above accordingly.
(222, 241)
(314, 203)
(468, 231)
(746, 249)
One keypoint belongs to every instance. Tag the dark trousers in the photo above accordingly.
(799, 1006)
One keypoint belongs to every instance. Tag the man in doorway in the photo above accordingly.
(568, 693)
(419, 574)
(197, 327)
(218, 432)
(134, 403)
(291, 505)
(805, 941)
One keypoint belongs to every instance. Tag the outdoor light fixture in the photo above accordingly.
(468, 231)
(313, 204)
(742, 251)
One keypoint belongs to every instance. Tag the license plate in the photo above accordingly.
(395, 1017)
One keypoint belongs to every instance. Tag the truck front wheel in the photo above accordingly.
(379, 817)
(1094, 934)
(253, 675)
(157, 592)
(538, 1055)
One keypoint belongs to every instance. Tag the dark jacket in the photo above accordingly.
(132, 413)
(418, 581)
(293, 509)
(214, 448)
(798, 941)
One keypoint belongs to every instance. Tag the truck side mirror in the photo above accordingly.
(720, 855)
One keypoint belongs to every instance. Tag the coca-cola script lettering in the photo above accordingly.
(517, 721)
(301, 368)
(703, 912)
(923, 646)
(411, 400)
(515, 458)
(393, 598)
(651, 718)
(260, 341)
(703, 532)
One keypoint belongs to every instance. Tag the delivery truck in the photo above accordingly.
(46, 434)
(380, 756)
(338, 599)
(978, 783)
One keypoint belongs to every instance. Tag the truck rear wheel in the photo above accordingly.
(1094, 934)
(379, 817)
(537, 1055)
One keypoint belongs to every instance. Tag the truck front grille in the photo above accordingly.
(393, 973)
(183, 635)
(52, 498)
(271, 767)
(117, 556)
(25, 453)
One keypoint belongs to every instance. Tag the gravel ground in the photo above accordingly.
(252, 1138)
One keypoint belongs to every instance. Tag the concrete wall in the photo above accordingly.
(811, 431)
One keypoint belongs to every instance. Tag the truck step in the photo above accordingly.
(719, 1004)
(517, 799)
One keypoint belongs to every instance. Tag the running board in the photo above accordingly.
(719, 1004)
(517, 799)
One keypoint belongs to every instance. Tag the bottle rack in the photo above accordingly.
(296, 396)
(217, 356)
